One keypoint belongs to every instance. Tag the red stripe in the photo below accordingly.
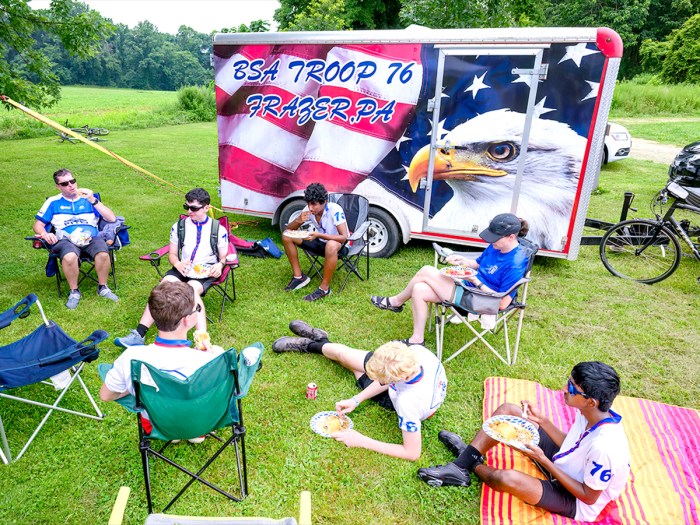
(251, 52)
(398, 52)
(342, 180)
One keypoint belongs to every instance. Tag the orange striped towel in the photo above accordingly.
(664, 486)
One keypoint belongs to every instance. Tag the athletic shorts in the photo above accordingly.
(318, 247)
(555, 498)
(206, 283)
(363, 382)
(64, 246)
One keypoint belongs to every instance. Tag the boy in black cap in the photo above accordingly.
(502, 264)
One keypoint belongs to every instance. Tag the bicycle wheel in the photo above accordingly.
(98, 131)
(622, 252)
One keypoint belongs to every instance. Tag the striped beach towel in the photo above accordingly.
(664, 485)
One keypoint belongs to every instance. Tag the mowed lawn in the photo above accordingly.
(577, 311)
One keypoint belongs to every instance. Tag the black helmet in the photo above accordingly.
(685, 168)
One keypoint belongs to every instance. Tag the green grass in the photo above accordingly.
(71, 474)
(664, 130)
(635, 100)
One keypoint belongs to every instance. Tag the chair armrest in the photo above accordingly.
(476, 291)
(44, 245)
(360, 232)
(85, 347)
(156, 255)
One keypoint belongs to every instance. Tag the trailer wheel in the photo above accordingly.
(290, 209)
(384, 233)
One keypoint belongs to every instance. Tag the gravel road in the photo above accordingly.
(654, 151)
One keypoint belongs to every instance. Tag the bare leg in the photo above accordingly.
(350, 358)
(102, 267)
(290, 248)
(69, 263)
(202, 315)
(330, 262)
(429, 275)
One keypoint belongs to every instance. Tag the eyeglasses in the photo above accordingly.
(572, 389)
(192, 208)
(197, 309)
(66, 182)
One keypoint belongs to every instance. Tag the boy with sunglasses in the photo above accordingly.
(175, 310)
(74, 215)
(586, 467)
(185, 255)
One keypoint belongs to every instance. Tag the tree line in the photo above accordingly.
(72, 44)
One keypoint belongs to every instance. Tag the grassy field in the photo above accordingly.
(71, 474)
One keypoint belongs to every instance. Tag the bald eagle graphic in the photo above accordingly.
(480, 159)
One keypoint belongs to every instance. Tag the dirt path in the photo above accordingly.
(654, 151)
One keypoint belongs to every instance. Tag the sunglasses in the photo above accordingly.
(66, 182)
(192, 208)
(196, 310)
(572, 389)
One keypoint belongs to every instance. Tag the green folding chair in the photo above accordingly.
(208, 400)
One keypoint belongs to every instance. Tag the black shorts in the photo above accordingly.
(555, 498)
(206, 283)
(64, 246)
(382, 399)
(318, 247)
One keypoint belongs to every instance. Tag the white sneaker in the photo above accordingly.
(108, 294)
(196, 441)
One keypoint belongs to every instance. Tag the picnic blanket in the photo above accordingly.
(664, 484)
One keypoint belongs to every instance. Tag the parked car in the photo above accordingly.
(618, 143)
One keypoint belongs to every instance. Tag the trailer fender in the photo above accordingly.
(293, 202)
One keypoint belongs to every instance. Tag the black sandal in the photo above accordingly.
(383, 303)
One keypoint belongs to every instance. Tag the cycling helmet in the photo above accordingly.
(685, 168)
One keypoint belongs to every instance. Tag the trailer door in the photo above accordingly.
(459, 154)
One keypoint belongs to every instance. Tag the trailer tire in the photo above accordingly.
(384, 234)
(289, 209)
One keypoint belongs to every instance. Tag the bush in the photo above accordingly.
(646, 79)
(682, 63)
(198, 101)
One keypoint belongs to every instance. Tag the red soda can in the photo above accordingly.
(311, 390)
(37, 244)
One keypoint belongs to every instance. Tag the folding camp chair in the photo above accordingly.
(356, 208)
(488, 304)
(116, 235)
(46, 353)
(221, 285)
(117, 515)
(208, 400)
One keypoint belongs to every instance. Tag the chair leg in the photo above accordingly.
(5, 454)
(144, 447)
(113, 269)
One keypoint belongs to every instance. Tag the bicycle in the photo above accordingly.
(648, 250)
(93, 134)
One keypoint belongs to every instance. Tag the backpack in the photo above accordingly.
(213, 238)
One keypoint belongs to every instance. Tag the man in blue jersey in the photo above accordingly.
(74, 215)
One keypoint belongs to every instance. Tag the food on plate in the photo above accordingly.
(508, 432)
(333, 423)
(201, 269)
(458, 271)
(296, 234)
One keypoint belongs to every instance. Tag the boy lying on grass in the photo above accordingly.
(406, 379)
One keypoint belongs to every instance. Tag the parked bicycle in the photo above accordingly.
(648, 250)
(94, 134)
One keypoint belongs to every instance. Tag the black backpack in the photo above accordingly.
(213, 238)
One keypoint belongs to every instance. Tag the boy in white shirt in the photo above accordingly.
(587, 467)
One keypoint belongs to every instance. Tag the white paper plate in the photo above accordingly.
(464, 271)
(200, 271)
(317, 419)
(296, 234)
(528, 429)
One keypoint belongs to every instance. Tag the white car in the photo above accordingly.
(618, 143)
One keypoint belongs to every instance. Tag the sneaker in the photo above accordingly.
(133, 339)
(409, 343)
(444, 475)
(108, 294)
(305, 330)
(291, 344)
(73, 300)
(297, 282)
(383, 303)
(452, 441)
(317, 294)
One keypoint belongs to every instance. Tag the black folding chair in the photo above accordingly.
(356, 208)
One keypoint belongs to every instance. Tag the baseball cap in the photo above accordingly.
(500, 226)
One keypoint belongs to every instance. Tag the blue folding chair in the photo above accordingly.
(47, 353)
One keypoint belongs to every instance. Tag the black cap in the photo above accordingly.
(500, 226)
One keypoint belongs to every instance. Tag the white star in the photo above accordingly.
(443, 94)
(477, 85)
(593, 93)
(576, 53)
(539, 108)
(441, 130)
(526, 79)
(403, 139)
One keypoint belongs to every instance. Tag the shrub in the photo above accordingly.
(682, 63)
(198, 101)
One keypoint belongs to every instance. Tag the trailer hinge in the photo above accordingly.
(431, 104)
(541, 72)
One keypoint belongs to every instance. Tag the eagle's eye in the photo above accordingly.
(502, 151)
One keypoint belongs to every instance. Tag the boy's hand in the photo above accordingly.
(534, 452)
(351, 438)
(531, 412)
(345, 406)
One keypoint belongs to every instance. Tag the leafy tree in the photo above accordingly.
(320, 15)
(682, 63)
(26, 73)
(256, 26)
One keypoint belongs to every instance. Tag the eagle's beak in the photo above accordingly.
(446, 167)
